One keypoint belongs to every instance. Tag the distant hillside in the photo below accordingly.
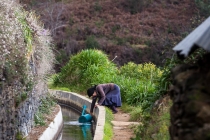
(133, 30)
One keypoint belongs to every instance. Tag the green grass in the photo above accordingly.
(160, 120)
(134, 111)
(45, 108)
(19, 136)
(108, 131)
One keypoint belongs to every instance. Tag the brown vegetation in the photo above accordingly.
(138, 31)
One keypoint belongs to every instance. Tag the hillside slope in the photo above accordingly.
(138, 31)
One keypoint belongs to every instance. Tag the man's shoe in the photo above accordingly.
(114, 110)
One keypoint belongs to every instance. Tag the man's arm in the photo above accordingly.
(93, 104)
(102, 94)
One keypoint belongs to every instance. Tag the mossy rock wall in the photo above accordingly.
(25, 60)
(19, 119)
(190, 93)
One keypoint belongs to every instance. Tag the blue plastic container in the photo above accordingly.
(85, 118)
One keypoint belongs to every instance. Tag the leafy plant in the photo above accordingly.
(138, 84)
(17, 100)
(204, 6)
(86, 68)
(39, 119)
(160, 120)
(121, 41)
(115, 28)
(136, 114)
(99, 23)
(24, 96)
(97, 6)
(146, 71)
(91, 43)
(164, 81)
(46, 104)
(27, 32)
(195, 56)
(136, 6)
(20, 98)
(19, 136)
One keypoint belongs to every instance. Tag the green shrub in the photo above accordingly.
(91, 43)
(164, 80)
(39, 119)
(17, 100)
(115, 28)
(86, 68)
(121, 41)
(136, 114)
(204, 6)
(19, 136)
(138, 84)
(195, 56)
(143, 72)
(27, 32)
(160, 120)
(45, 108)
(97, 6)
(136, 6)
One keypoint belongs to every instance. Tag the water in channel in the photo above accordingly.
(72, 129)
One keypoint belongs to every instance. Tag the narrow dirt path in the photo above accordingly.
(121, 126)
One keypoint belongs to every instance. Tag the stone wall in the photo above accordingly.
(27, 110)
(25, 59)
(190, 93)
(17, 119)
(25, 115)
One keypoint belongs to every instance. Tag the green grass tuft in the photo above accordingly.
(108, 131)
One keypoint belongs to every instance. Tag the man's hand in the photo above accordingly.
(96, 105)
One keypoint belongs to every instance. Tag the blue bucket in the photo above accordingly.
(84, 118)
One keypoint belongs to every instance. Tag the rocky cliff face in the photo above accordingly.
(25, 59)
(190, 117)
